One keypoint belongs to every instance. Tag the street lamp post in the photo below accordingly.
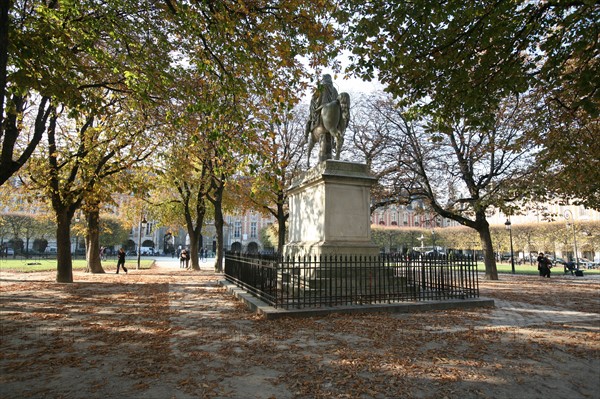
(77, 219)
(568, 215)
(143, 223)
(508, 225)
(433, 241)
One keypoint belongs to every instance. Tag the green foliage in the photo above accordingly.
(464, 58)
(40, 245)
(461, 61)
(22, 225)
(400, 237)
(527, 238)
(112, 232)
(71, 54)
(269, 236)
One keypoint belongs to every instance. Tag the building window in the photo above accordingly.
(253, 230)
(237, 232)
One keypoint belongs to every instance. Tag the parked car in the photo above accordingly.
(586, 263)
(10, 252)
(132, 253)
(559, 261)
(505, 257)
(147, 250)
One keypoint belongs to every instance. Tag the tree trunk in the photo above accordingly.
(195, 233)
(94, 263)
(218, 187)
(219, 223)
(64, 267)
(281, 219)
(491, 273)
(194, 240)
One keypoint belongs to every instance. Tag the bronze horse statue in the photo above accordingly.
(332, 118)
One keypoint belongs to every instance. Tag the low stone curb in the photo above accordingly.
(271, 313)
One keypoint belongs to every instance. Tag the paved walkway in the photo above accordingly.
(504, 314)
(518, 314)
(526, 339)
(207, 264)
(166, 332)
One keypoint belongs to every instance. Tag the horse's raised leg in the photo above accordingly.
(339, 141)
(311, 144)
(325, 150)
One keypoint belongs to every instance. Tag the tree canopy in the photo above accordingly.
(466, 57)
(468, 67)
(463, 60)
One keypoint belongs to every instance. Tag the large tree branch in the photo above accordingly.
(4, 26)
(11, 131)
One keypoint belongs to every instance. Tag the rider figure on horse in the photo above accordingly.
(324, 94)
(329, 116)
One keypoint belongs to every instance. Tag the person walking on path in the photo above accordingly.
(544, 265)
(183, 259)
(121, 260)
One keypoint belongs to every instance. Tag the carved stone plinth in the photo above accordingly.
(329, 211)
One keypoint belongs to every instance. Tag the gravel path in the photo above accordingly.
(172, 333)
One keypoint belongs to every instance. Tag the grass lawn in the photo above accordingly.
(46, 265)
(530, 269)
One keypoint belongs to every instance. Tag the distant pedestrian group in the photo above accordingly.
(544, 265)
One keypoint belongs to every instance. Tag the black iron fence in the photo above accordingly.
(350, 280)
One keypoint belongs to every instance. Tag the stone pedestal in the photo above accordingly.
(329, 211)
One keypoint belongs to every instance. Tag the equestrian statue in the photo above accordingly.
(329, 117)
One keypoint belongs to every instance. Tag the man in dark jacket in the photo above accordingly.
(544, 265)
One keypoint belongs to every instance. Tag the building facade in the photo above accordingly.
(412, 215)
(241, 233)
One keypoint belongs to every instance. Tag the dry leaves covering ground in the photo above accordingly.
(166, 333)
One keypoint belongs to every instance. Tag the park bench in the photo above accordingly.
(570, 267)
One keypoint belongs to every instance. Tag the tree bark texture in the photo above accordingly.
(216, 199)
(94, 263)
(194, 231)
(219, 224)
(194, 241)
(281, 219)
(483, 228)
(64, 267)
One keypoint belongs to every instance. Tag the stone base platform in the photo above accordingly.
(269, 312)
